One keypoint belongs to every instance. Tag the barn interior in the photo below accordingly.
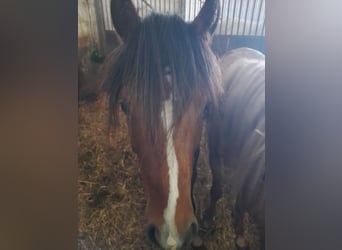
(111, 201)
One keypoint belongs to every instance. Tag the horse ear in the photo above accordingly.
(207, 18)
(124, 17)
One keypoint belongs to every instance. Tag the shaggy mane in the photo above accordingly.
(161, 41)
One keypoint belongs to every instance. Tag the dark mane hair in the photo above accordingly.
(138, 65)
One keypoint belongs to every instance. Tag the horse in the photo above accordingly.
(89, 70)
(236, 138)
(163, 77)
(168, 82)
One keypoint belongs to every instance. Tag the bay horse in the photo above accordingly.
(168, 82)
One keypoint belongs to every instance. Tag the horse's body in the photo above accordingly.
(236, 135)
(166, 79)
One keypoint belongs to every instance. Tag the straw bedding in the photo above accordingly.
(111, 201)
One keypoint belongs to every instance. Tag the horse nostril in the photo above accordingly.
(152, 233)
(196, 241)
(192, 231)
(194, 228)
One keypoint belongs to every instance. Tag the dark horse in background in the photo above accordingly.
(236, 137)
(168, 82)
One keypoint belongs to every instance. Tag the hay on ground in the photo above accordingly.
(111, 201)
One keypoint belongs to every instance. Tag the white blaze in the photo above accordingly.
(172, 163)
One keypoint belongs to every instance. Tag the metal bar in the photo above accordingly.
(225, 31)
(155, 5)
(159, 9)
(189, 9)
(100, 26)
(250, 25)
(182, 8)
(135, 5)
(105, 14)
(142, 8)
(110, 15)
(231, 33)
(238, 27)
(221, 17)
(179, 9)
(263, 29)
(257, 26)
(145, 8)
(195, 3)
(244, 25)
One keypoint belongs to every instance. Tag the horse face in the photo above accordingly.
(167, 166)
(167, 159)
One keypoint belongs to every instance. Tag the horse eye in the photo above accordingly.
(124, 106)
